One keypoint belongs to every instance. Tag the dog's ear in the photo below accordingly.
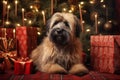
(48, 25)
(78, 27)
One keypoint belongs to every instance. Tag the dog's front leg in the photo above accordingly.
(78, 69)
(54, 68)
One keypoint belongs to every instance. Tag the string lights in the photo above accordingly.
(36, 9)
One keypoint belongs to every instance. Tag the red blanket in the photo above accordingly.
(44, 76)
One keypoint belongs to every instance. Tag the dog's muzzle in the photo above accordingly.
(59, 36)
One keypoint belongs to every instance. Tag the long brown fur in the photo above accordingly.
(50, 58)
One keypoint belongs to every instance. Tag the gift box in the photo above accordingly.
(105, 53)
(8, 56)
(7, 32)
(7, 45)
(8, 51)
(23, 67)
(26, 40)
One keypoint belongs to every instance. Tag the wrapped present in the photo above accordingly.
(7, 45)
(7, 32)
(26, 40)
(7, 59)
(105, 53)
(7, 51)
(22, 66)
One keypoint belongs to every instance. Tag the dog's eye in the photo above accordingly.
(56, 22)
(66, 23)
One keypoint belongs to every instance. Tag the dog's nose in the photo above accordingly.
(59, 31)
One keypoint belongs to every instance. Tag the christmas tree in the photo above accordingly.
(96, 16)
(34, 10)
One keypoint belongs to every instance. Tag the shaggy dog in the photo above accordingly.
(61, 50)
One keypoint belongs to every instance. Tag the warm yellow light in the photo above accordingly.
(23, 10)
(70, 11)
(104, 6)
(18, 24)
(36, 10)
(91, 2)
(16, 2)
(13, 30)
(25, 19)
(99, 22)
(88, 30)
(79, 5)
(101, 1)
(95, 15)
(110, 21)
(84, 11)
(38, 33)
(8, 6)
(72, 8)
(64, 9)
(7, 22)
(88, 49)
(31, 6)
(43, 12)
(29, 22)
(4, 2)
(82, 3)
(83, 22)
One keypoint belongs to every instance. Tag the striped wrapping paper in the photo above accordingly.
(105, 53)
(26, 40)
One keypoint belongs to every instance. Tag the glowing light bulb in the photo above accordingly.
(88, 30)
(64, 9)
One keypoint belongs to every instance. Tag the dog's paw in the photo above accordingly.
(79, 69)
(55, 68)
(82, 73)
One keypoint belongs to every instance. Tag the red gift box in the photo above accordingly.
(7, 58)
(23, 67)
(26, 40)
(105, 53)
(8, 32)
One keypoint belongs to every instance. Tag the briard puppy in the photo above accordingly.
(61, 50)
